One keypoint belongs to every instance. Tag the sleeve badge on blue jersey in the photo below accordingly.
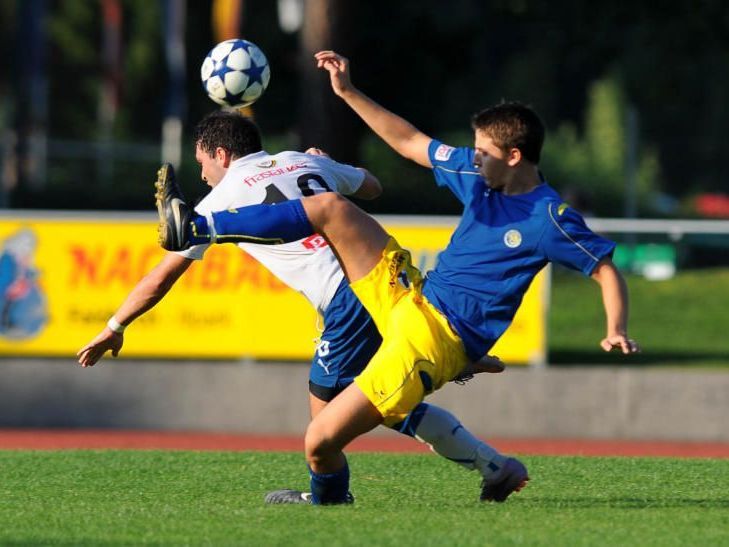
(561, 209)
(443, 152)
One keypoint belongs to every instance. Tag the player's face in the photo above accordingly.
(490, 160)
(212, 169)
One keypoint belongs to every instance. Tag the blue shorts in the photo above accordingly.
(348, 342)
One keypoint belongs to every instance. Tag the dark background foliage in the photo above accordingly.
(583, 66)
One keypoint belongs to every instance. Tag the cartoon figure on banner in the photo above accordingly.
(23, 306)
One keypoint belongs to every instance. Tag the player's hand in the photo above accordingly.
(621, 342)
(316, 152)
(338, 68)
(488, 363)
(107, 340)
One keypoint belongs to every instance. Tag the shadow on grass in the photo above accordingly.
(628, 503)
(646, 358)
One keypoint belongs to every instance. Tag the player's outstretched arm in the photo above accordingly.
(141, 299)
(615, 301)
(400, 134)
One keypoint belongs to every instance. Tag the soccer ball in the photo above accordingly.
(235, 73)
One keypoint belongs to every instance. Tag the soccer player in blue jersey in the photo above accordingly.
(513, 225)
(229, 151)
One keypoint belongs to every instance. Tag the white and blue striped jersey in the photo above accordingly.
(500, 244)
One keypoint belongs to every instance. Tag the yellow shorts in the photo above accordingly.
(419, 352)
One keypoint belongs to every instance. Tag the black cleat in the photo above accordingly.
(296, 496)
(462, 378)
(512, 477)
(174, 213)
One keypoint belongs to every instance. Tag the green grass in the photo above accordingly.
(216, 498)
(678, 322)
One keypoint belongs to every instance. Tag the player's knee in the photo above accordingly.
(323, 208)
(318, 446)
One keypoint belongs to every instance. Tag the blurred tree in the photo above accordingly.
(75, 37)
(8, 167)
(590, 169)
(675, 60)
(434, 64)
(323, 120)
(75, 32)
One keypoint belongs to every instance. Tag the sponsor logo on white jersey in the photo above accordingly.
(250, 181)
(314, 242)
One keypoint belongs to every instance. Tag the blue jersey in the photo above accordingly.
(500, 244)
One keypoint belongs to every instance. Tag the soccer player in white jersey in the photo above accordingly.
(513, 224)
(228, 149)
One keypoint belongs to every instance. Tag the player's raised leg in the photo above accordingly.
(356, 238)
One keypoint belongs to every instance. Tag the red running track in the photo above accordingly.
(66, 439)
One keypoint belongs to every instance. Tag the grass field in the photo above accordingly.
(216, 498)
(679, 322)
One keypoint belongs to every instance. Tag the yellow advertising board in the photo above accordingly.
(61, 278)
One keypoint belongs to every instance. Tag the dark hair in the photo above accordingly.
(512, 125)
(229, 130)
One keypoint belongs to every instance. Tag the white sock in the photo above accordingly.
(447, 437)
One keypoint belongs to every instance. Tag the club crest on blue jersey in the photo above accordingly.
(512, 239)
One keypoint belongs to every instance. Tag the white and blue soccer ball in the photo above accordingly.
(235, 73)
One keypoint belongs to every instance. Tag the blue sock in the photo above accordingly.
(268, 224)
(411, 422)
(198, 230)
(330, 488)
